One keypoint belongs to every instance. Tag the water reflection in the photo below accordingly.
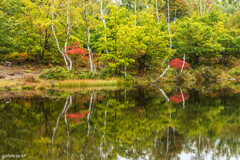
(143, 122)
(64, 111)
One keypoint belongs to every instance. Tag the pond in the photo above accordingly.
(138, 122)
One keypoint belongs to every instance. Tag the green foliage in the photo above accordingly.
(27, 87)
(120, 37)
(57, 73)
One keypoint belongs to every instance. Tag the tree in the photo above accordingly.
(66, 58)
(76, 52)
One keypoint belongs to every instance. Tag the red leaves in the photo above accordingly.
(177, 63)
(77, 50)
(76, 117)
(177, 98)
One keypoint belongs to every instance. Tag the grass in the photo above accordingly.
(91, 83)
(6, 85)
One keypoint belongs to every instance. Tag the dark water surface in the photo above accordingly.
(141, 122)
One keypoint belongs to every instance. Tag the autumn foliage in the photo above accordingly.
(177, 98)
(76, 49)
(177, 64)
(77, 53)
(76, 117)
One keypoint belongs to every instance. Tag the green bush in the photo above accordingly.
(57, 73)
(27, 87)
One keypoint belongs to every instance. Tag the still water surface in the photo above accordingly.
(141, 122)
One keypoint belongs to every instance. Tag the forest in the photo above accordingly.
(82, 39)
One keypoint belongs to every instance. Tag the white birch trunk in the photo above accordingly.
(135, 10)
(169, 32)
(183, 64)
(157, 10)
(170, 45)
(66, 43)
(175, 15)
(104, 23)
(200, 8)
(89, 49)
(66, 58)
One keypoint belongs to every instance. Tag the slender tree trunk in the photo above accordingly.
(163, 93)
(64, 111)
(67, 59)
(157, 10)
(104, 24)
(135, 11)
(89, 49)
(169, 32)
(182, 64)
(175, 14)
(200, 8)
(183, 98)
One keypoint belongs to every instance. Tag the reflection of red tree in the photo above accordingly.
(177, 63)
(177, 98)
(76, 117)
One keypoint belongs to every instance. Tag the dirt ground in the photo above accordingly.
(18, 72)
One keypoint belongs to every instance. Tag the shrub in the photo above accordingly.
(27, 87)
(57, 73)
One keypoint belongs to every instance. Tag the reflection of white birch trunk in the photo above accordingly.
(183, 64)
(183, 98)
(163, 93)
(104, 23)
(67, 59)
(66, 106)
(66, 122)
(162, 73)
(125, 94)
(156, 139)
(89, 114)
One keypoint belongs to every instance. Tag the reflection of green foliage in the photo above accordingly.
(132, 124)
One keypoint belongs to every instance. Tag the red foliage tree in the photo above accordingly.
(76, 51)
(177, 63)
(177, 98)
